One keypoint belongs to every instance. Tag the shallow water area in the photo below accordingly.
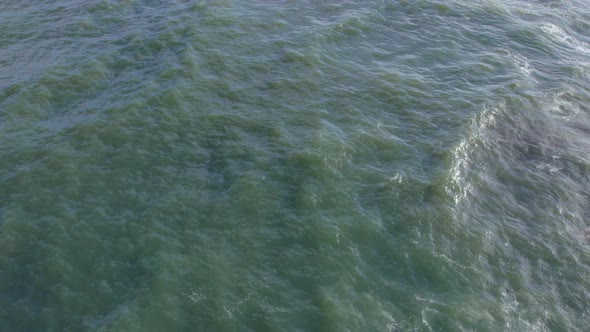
(294, 165)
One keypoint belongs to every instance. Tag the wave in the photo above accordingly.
(518, 183)
(561, 36)
(522, 63)
(463, 154)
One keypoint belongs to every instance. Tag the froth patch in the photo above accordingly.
(563, 37)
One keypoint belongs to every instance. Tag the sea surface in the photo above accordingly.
(294, 165)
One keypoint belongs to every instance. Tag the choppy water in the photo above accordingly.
(294, 165)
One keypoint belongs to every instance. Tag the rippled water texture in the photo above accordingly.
(294, 165)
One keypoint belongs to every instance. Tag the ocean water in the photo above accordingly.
(222, 165)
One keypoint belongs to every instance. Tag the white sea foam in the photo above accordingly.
(563, 105)
(522, 63)
(562, 36)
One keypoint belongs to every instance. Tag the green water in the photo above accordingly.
(294, 165)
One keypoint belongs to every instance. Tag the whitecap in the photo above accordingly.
(522, 63)
(563, 37)
(563, 104)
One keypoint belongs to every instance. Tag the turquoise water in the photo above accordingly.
(294, 165)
